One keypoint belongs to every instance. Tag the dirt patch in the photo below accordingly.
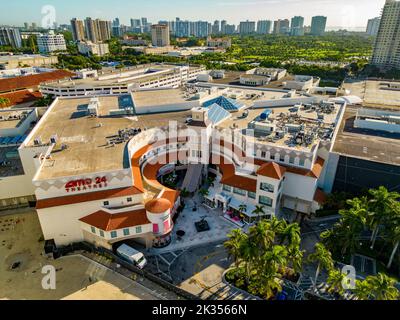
(18, 262)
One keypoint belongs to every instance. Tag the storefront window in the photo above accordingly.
(239, 191)
(266, 201)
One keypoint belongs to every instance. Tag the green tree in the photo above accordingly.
(323, 257)
(242, 209)
(204, 192)
(4, 102)
(259, 211)
(234, 245)
(395, 238)
(260, 261)
(335, 281)
(379, 287)
(380, 209)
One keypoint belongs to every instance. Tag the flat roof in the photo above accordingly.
(279, 117)
(15, 117)
(87, 149)
(375, 93)
(160, 97)
(233, 78)
(366, 144)
(4, 59)
(118, 77)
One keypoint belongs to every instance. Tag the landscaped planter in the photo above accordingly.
(224, 280)
(236, 288)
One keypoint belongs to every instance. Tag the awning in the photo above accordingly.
(235, 204)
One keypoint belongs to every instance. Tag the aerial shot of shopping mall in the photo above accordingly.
(250, 159)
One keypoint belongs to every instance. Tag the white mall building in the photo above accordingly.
(95, 164)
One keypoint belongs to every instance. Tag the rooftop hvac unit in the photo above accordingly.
(37, 141)
(54, 139)
(279, 134)
(92, 110)
(293, 127)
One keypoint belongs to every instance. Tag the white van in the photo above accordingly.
(132, 255)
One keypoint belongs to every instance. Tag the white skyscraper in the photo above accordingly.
(10, 37)
(373, 26)
(247, 27)
(51, 42)
(264, 26)
(386, 52)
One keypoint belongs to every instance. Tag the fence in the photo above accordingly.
(85, 246)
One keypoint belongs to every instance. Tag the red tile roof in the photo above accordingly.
(150, 171)
(86, 197)
(22, 96)
(158, 205)
(230, 178)
(24, 82)
(109, 222)
(315, 171)
(272, 170)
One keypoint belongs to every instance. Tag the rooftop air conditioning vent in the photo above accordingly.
(54, 139)
(37, 141)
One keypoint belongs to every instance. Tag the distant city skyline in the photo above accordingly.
(349, 14)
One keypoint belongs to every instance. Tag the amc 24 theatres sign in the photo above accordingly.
(86, 184)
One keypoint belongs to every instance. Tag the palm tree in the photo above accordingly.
(234, 245)
(379, 287)
(351, 225)
(324, 258)
(251, 257)
(259, 211)
(263, 235)
(362, 290)
(295, 258)
(395, 236)
(276, 257)
(204, 192)
(380, 207)
(242, 209)
(266, 284)
(291, 235)
(278, 225)
(335, 282)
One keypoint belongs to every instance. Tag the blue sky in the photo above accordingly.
(345, 13)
